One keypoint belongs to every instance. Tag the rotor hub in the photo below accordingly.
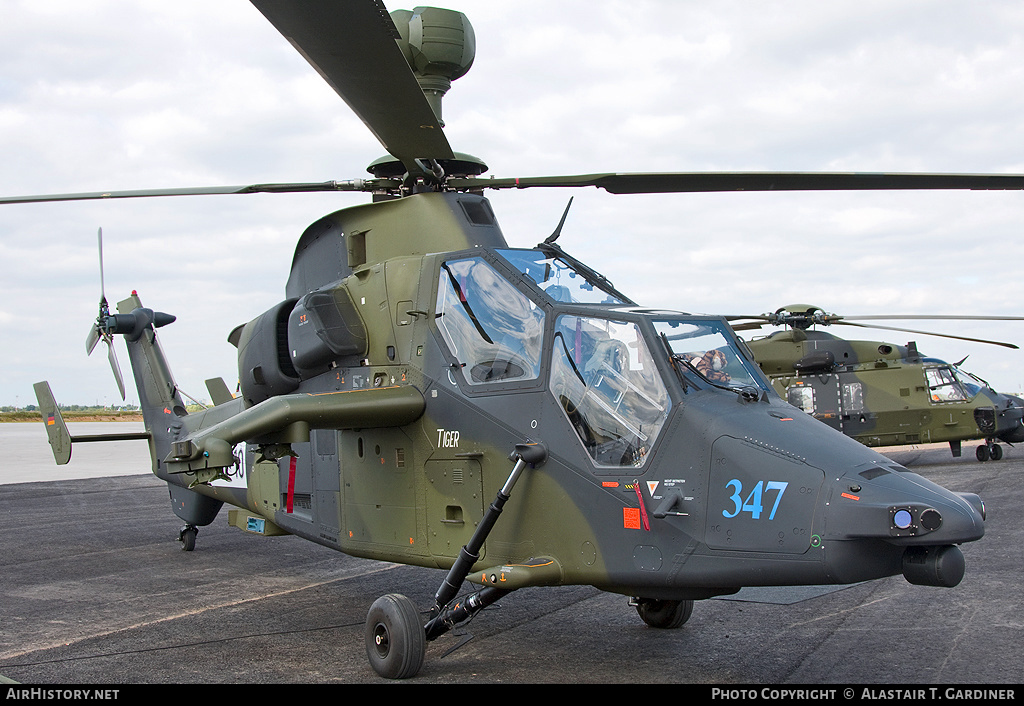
(800, 317)
(464, 165)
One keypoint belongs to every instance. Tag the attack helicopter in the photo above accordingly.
(879, 393)
(418, 365)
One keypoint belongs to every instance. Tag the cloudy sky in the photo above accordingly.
(127, 94)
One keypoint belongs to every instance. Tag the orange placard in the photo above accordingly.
(631, 517)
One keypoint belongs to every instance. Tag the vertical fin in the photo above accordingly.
(219, 391)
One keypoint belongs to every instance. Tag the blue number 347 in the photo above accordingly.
(754, 500)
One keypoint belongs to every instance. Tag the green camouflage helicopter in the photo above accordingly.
(879, 393)
(417, 366)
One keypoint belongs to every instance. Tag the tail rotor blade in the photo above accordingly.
(103, 291)
(95, 332)
(92, 339)
(98, 330)
(112, 357)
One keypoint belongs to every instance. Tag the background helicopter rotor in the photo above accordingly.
(802, 317)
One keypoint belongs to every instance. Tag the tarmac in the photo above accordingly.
(96, 591)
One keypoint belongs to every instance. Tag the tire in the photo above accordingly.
(188, 539)
(996, 452)
(665, 615)
(395, 641)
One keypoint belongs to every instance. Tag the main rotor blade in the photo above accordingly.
(928, 333)
(351, 44)
(299, 187)
(680, 182)
(750, 326)
(613, 183)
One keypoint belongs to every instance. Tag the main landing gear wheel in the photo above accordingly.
(989, 451)
(666, 615)
(187, 537)
(396, 643)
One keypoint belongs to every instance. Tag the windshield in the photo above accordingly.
(707, 348)
(563, 279)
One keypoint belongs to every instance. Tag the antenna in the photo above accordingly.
(558, 230)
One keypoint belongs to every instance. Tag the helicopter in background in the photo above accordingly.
(879, 393)
(418, 365)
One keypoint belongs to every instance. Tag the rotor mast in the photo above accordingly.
(439, 46)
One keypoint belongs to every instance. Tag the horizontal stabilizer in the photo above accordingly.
(57, 431)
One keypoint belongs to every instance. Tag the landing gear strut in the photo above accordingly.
(395, 638)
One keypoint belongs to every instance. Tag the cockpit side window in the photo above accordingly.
(494, 330)
(801, 396)
(945, 386)
(604, 379)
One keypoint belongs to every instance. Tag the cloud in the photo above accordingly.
(122, 95)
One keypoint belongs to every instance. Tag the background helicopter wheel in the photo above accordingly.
(982, 453)
(395, 640)
(666, 615)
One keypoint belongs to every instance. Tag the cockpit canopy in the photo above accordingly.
(612, 368)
